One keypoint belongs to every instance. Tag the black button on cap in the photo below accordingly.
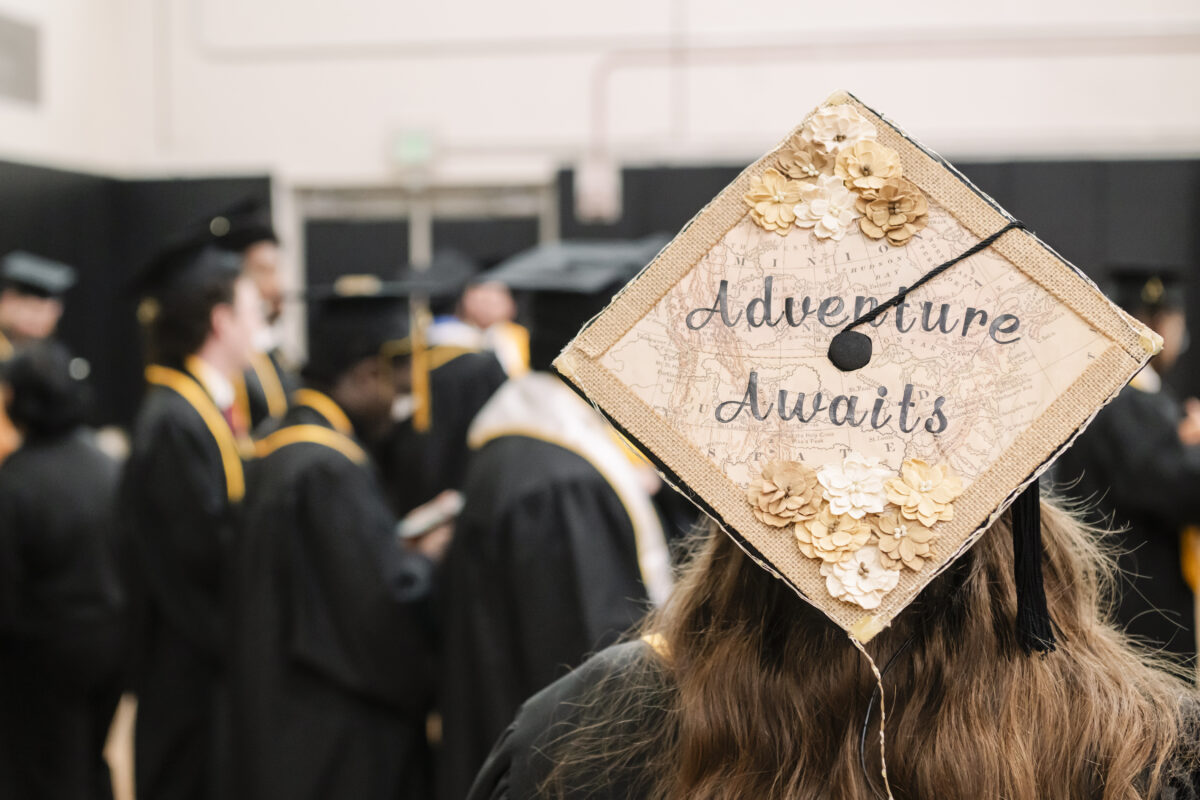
(850, 350)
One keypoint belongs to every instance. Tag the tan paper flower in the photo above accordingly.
(925, 493)
(867, 165)
(898, 211)
(833, 538)
(803, 162)
(834, 128)
(786, 493)
(771, 199)
(902, 541)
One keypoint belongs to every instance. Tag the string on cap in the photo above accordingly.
(1035, 630)
(850, 349)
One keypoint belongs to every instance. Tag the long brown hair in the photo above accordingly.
(760, 696)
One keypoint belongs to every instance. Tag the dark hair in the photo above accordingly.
(46, 399)
(183, 320)
(759, 695)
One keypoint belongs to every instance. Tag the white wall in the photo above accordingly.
(317, 91)
(83, 119)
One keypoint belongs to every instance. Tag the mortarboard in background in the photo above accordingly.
(356, 317)
(34, 274)
(1147, 287)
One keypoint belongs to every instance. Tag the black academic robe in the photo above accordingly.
(331, 670)
(177, 518)
(60, 619)
(418, 465)
(1133, 472)
(522, 757)
(542, 571)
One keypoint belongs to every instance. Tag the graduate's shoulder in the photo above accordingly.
(311, 444)
(522, 757)
(530, 459)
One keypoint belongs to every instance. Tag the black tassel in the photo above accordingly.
(1034, 628)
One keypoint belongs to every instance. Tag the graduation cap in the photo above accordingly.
(356, 317)
(577, 267)
(1147, 287)
(566, 283)
(242, 225)
(178, 272)
(34, 274)
(855, 361)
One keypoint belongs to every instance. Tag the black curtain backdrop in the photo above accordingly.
(1095, 213)
(107, 229)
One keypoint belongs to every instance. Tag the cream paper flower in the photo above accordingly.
(772, 199)
(865, 166)
(897, 210)
(902, 541)
(861, 579)
(828, 207)
(832, 537)
(924, 493)
(855, 486)
(834, 128)
(786, 493)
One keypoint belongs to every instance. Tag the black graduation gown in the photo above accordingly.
(331, 671)
(1131, 466)
(60, 619)
(542, 571)
(420, 465)
(177, 517)
(521, 760)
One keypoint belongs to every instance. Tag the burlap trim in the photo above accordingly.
(983, 499)
(977, 213)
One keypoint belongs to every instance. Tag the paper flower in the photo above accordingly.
(803, 162)
(925, 493)
(867, 165)
(832, 537)
(772, 198)
(861, 579)
(897, 211)
(834, 128)
(855, 486)
(828, 207)
(902, 541)
(786, 493)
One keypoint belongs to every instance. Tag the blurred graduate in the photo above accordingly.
(332, 667)
(559, 549)
(457, 367)
(1137, 469)
(61, 637)
(179, 496)
(263, 390)
(31, 304)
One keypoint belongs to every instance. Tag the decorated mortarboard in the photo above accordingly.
(35, 274)
(242, 225)
(854, 360)
(355, 317)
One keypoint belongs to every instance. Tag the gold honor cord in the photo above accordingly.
(311, 434)
(190, 390)
(329, 410)
(268, 379)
